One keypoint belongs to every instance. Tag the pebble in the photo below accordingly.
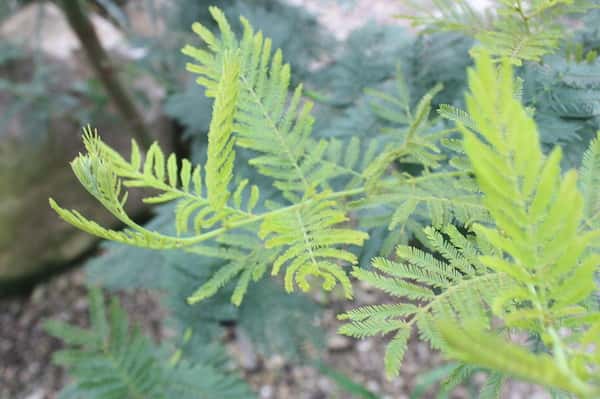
(275, 362)
(37, 394)
(338, 343)
(365, 345)
(247, 355)
(266, 392)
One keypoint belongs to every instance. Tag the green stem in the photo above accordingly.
(525, 18)
(558, 347)
(186, 242)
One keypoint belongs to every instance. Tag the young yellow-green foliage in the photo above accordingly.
(532, 268)
(249, 83)
(220, 214)
(544, 243)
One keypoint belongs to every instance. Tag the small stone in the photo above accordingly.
(325, 385)
(247, 355)
(275, 362)
(37, 394)
(373, 386)
(338, 343)
(365, 345)
(266, 392)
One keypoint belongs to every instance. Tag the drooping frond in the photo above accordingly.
(309, 240)
(103, 173)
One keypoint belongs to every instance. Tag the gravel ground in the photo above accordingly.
(342, 17)
(26, 371)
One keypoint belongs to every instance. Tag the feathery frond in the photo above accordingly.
(311, 240)
(590, 183)
(252, 110)
(103, 173)
(112, 360)
(515, 31)
(445, 288)
(543, 249)
(265, 121)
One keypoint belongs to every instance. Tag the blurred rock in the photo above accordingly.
(43, 27)
(34, 157)
(266, 392)
(275, 362)
(147, 19)
(339, 343)
(37, 394)
(246, 354)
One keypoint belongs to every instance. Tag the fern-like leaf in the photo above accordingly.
(590, 183)
(111, 360)
(265, 121)
(540, 244)
(308, 238)
(221, 155)
(474, 346)
(445, 289)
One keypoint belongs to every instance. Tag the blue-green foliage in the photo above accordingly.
(564, 94)
(177, 274)
(112, 360)
(292, 29)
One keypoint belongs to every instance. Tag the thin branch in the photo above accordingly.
(100, 61)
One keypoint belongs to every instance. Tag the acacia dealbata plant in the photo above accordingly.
(509, 240)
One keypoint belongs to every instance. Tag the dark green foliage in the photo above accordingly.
(369, 56)
(565, 96)
(177, 274)
(113, 360)
(440, 58)
(271, 318)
